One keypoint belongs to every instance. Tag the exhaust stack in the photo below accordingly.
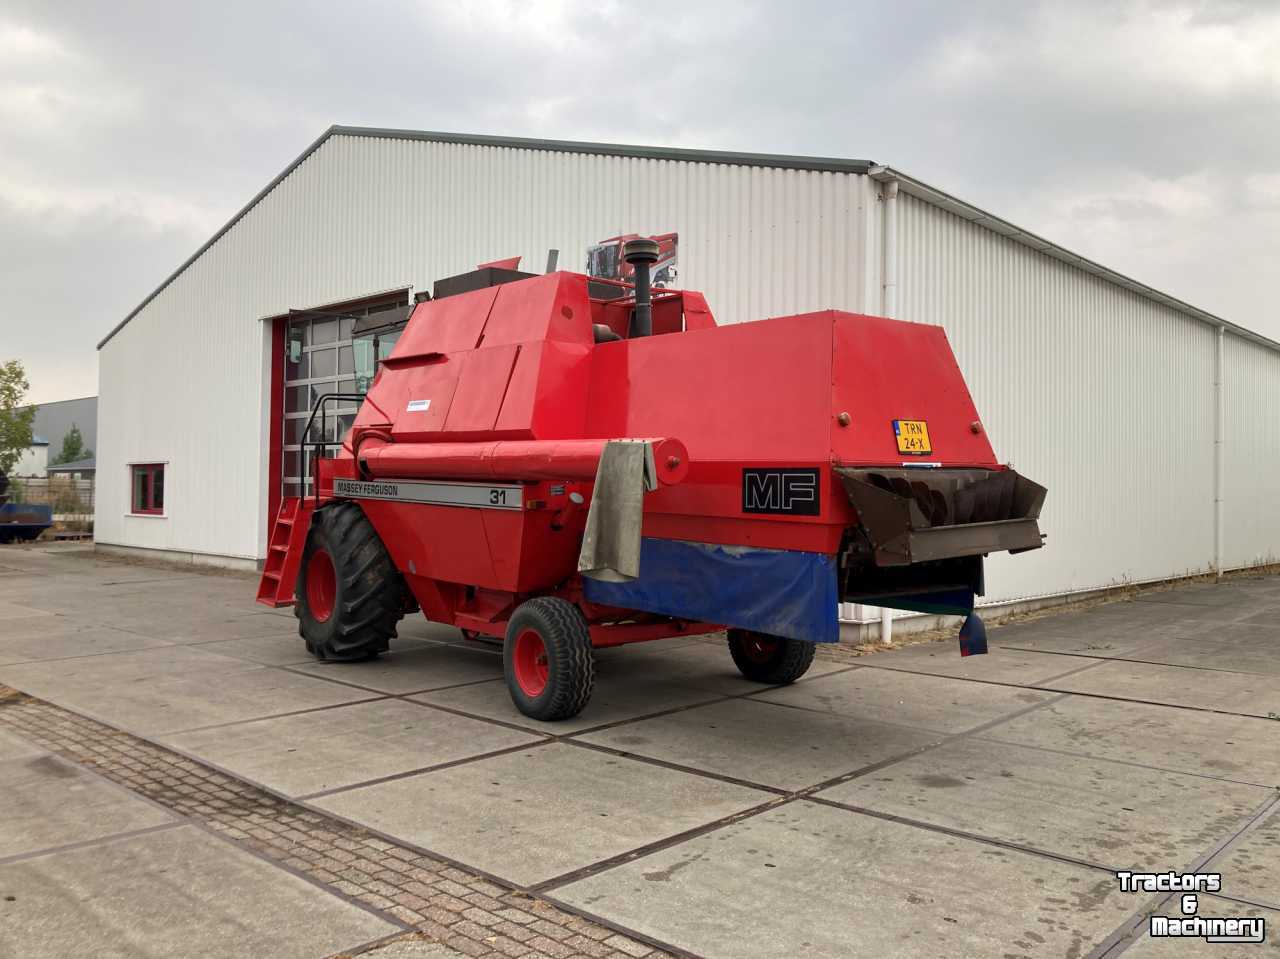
(642, 253)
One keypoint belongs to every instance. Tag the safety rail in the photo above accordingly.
(319, 446)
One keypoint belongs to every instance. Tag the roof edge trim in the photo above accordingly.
(778, 161)
(1010, 231)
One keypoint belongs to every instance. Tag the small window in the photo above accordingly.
(148, 488)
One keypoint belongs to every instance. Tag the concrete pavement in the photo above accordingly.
(905, 803)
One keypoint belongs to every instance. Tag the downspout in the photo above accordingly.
(889, 308)
(1219, 426)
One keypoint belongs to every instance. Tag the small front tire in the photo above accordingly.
(775, 660)
(548, 660)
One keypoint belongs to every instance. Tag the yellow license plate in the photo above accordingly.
(913, 437)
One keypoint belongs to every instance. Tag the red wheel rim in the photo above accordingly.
(322, 585)
(759, 649)
(529, 660)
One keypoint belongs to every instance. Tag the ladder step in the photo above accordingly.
(271, 575)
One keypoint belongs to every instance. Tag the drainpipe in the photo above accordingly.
(889, 308)
(1219, 423)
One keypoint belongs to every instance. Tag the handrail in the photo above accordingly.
(320, 444)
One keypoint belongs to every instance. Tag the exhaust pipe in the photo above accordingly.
(642, 253)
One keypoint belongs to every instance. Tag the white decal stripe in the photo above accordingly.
(479, 495)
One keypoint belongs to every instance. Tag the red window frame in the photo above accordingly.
(148, 503)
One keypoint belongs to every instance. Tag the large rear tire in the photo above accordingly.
(775, 660)
(349, 595)
(548, 660)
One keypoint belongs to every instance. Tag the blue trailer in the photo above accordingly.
(23, 521)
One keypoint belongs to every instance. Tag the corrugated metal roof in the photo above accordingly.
(776, 161)
(78, 466)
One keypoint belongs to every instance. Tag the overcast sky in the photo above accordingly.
(1142, 135)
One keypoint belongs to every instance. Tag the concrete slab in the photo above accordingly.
(1220, 595)
(1242, 748)
(533, 815)
(615, 698)
(274, 650)
(409, 669)
(810, 880)
(998, 666)
(1250, 867)
(925, 702)
(172, 688)
(764, 743)
(179, 892)
(1103, 812)
(1241, 650)
(1241, 693)
(14, 747)
(49, 802)
(199, 627)
(685, 662)
(1145, 947)
(25, 645)
(1078, 639)
(310, 752)
(11, 611)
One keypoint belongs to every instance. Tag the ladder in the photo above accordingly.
(284, 552)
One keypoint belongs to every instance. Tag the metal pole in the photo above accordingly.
(1219, 426)
(889, 308)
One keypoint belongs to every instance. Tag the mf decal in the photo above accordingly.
(787, 492)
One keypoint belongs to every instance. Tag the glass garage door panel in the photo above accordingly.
(318, 360)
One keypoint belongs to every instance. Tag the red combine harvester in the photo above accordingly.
(567, 464)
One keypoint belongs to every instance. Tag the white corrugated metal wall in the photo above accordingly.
(185, 381)
(1251, 477)
(1102, 394)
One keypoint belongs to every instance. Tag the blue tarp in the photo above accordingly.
(775, 591)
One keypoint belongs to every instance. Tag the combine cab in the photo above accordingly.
(566, 464)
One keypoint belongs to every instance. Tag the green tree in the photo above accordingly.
(15, 422)
(72, 448)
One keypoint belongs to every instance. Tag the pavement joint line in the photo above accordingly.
(421, 849)
(110, 652)
(665, 947)
(259, 719)
(90, 843)
(305, 877)
(293, 670)
(1124, 935)
(1245, 901)
(1125, 659)
(787, 797)
(678, 767)
(1123, 762)
(961, 834)
(978, 679)
(405, 935)
(416, 889)
(1151, 702)
(658, 845)
(410, 773)
(1070, 672)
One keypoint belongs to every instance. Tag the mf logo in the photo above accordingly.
(790, 492)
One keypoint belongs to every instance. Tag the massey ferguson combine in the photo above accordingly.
(567, 464)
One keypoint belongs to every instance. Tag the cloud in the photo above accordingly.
(1136, 133)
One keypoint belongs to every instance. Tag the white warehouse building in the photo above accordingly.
(1151, 422)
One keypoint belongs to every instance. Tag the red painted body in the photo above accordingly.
(507, 383)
